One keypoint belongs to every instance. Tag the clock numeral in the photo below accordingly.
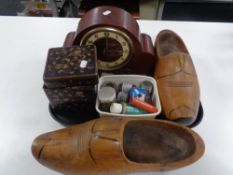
(106, 34)
(96, 36)
(116, 36)
(122, 59)
(100, 64)
(90, 42)
(124, 43)
(126, 51)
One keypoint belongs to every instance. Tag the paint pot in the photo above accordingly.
(106, 96)
(122, 97)
(125, 87)
(147, 85)
(125, 108)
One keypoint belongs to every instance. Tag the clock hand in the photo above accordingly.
(106, 46)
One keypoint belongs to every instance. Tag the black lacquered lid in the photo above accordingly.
(69, 66)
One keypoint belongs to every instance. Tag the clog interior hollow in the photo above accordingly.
(168, 43)
(156, 144)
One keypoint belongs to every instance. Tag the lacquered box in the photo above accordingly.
(70, 78)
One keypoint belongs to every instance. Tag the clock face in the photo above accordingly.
(114, 47)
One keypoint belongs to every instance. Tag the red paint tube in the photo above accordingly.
(143, 105)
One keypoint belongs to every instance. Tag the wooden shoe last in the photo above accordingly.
(118, 146)
(176, 78)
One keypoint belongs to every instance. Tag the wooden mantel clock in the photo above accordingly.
(121, 48)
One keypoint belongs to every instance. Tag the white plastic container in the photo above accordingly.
(133, 79)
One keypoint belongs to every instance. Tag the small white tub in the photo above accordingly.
(133, 79)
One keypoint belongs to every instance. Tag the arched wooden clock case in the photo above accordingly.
(121, 48)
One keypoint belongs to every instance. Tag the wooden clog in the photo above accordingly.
(176, 78)
(118, 146)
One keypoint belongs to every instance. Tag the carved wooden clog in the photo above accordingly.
(118, 146)
(176, 78)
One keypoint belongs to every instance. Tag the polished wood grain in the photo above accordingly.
(176, 78)
(118, 146)
(143, 58)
